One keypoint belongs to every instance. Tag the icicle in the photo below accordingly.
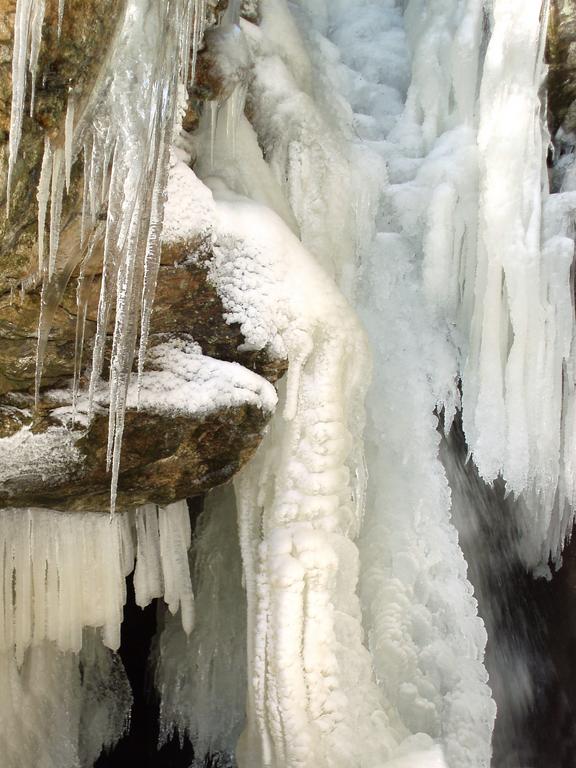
(68, 138)
(148, 582)
(35, 42)
(56, 195)
(234, 110)
(197, 34)
(61, 4)
(153, 251)
(232, 14)
(105, 299)
(82, 295)
(123, 343)
(86, 156)
(175, 539)
(43, 196)
(214, 107)
(19, 55)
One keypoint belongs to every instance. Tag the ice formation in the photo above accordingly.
(318, 691)
(394, 170)
(123, 131)
(201, 679)
(65, 694)
(70, 715)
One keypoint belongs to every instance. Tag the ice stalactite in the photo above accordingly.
(517, 375)
(63, 591)
(123, 129)
(27, 31)
(63, 572)
(201, 679)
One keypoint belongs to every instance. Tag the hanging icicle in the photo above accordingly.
(63, 572)
(124, 130)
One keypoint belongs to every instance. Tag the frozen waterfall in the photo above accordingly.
(376, 199)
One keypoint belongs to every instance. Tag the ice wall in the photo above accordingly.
(332, 681)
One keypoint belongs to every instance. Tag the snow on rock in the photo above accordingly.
(189, 207)
(186, 381)
(181, 380)
(27, 454)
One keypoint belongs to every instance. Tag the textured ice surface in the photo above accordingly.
(414, 585)
(55, 716)
(184, 381)
(313, 697)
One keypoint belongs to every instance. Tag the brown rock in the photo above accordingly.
(186, 303)
(69, 62)
(164, 458)
(561, 58)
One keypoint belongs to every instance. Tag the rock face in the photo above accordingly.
(69, 62)
(561, 58)
(48, 457)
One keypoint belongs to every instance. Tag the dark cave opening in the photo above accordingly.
(140, 745)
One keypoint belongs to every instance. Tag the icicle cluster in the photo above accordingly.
(28, 22)
(65, 694)
(123, 129)
(515, 408)
(201, 679)
(497, 251)
(64, 572)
